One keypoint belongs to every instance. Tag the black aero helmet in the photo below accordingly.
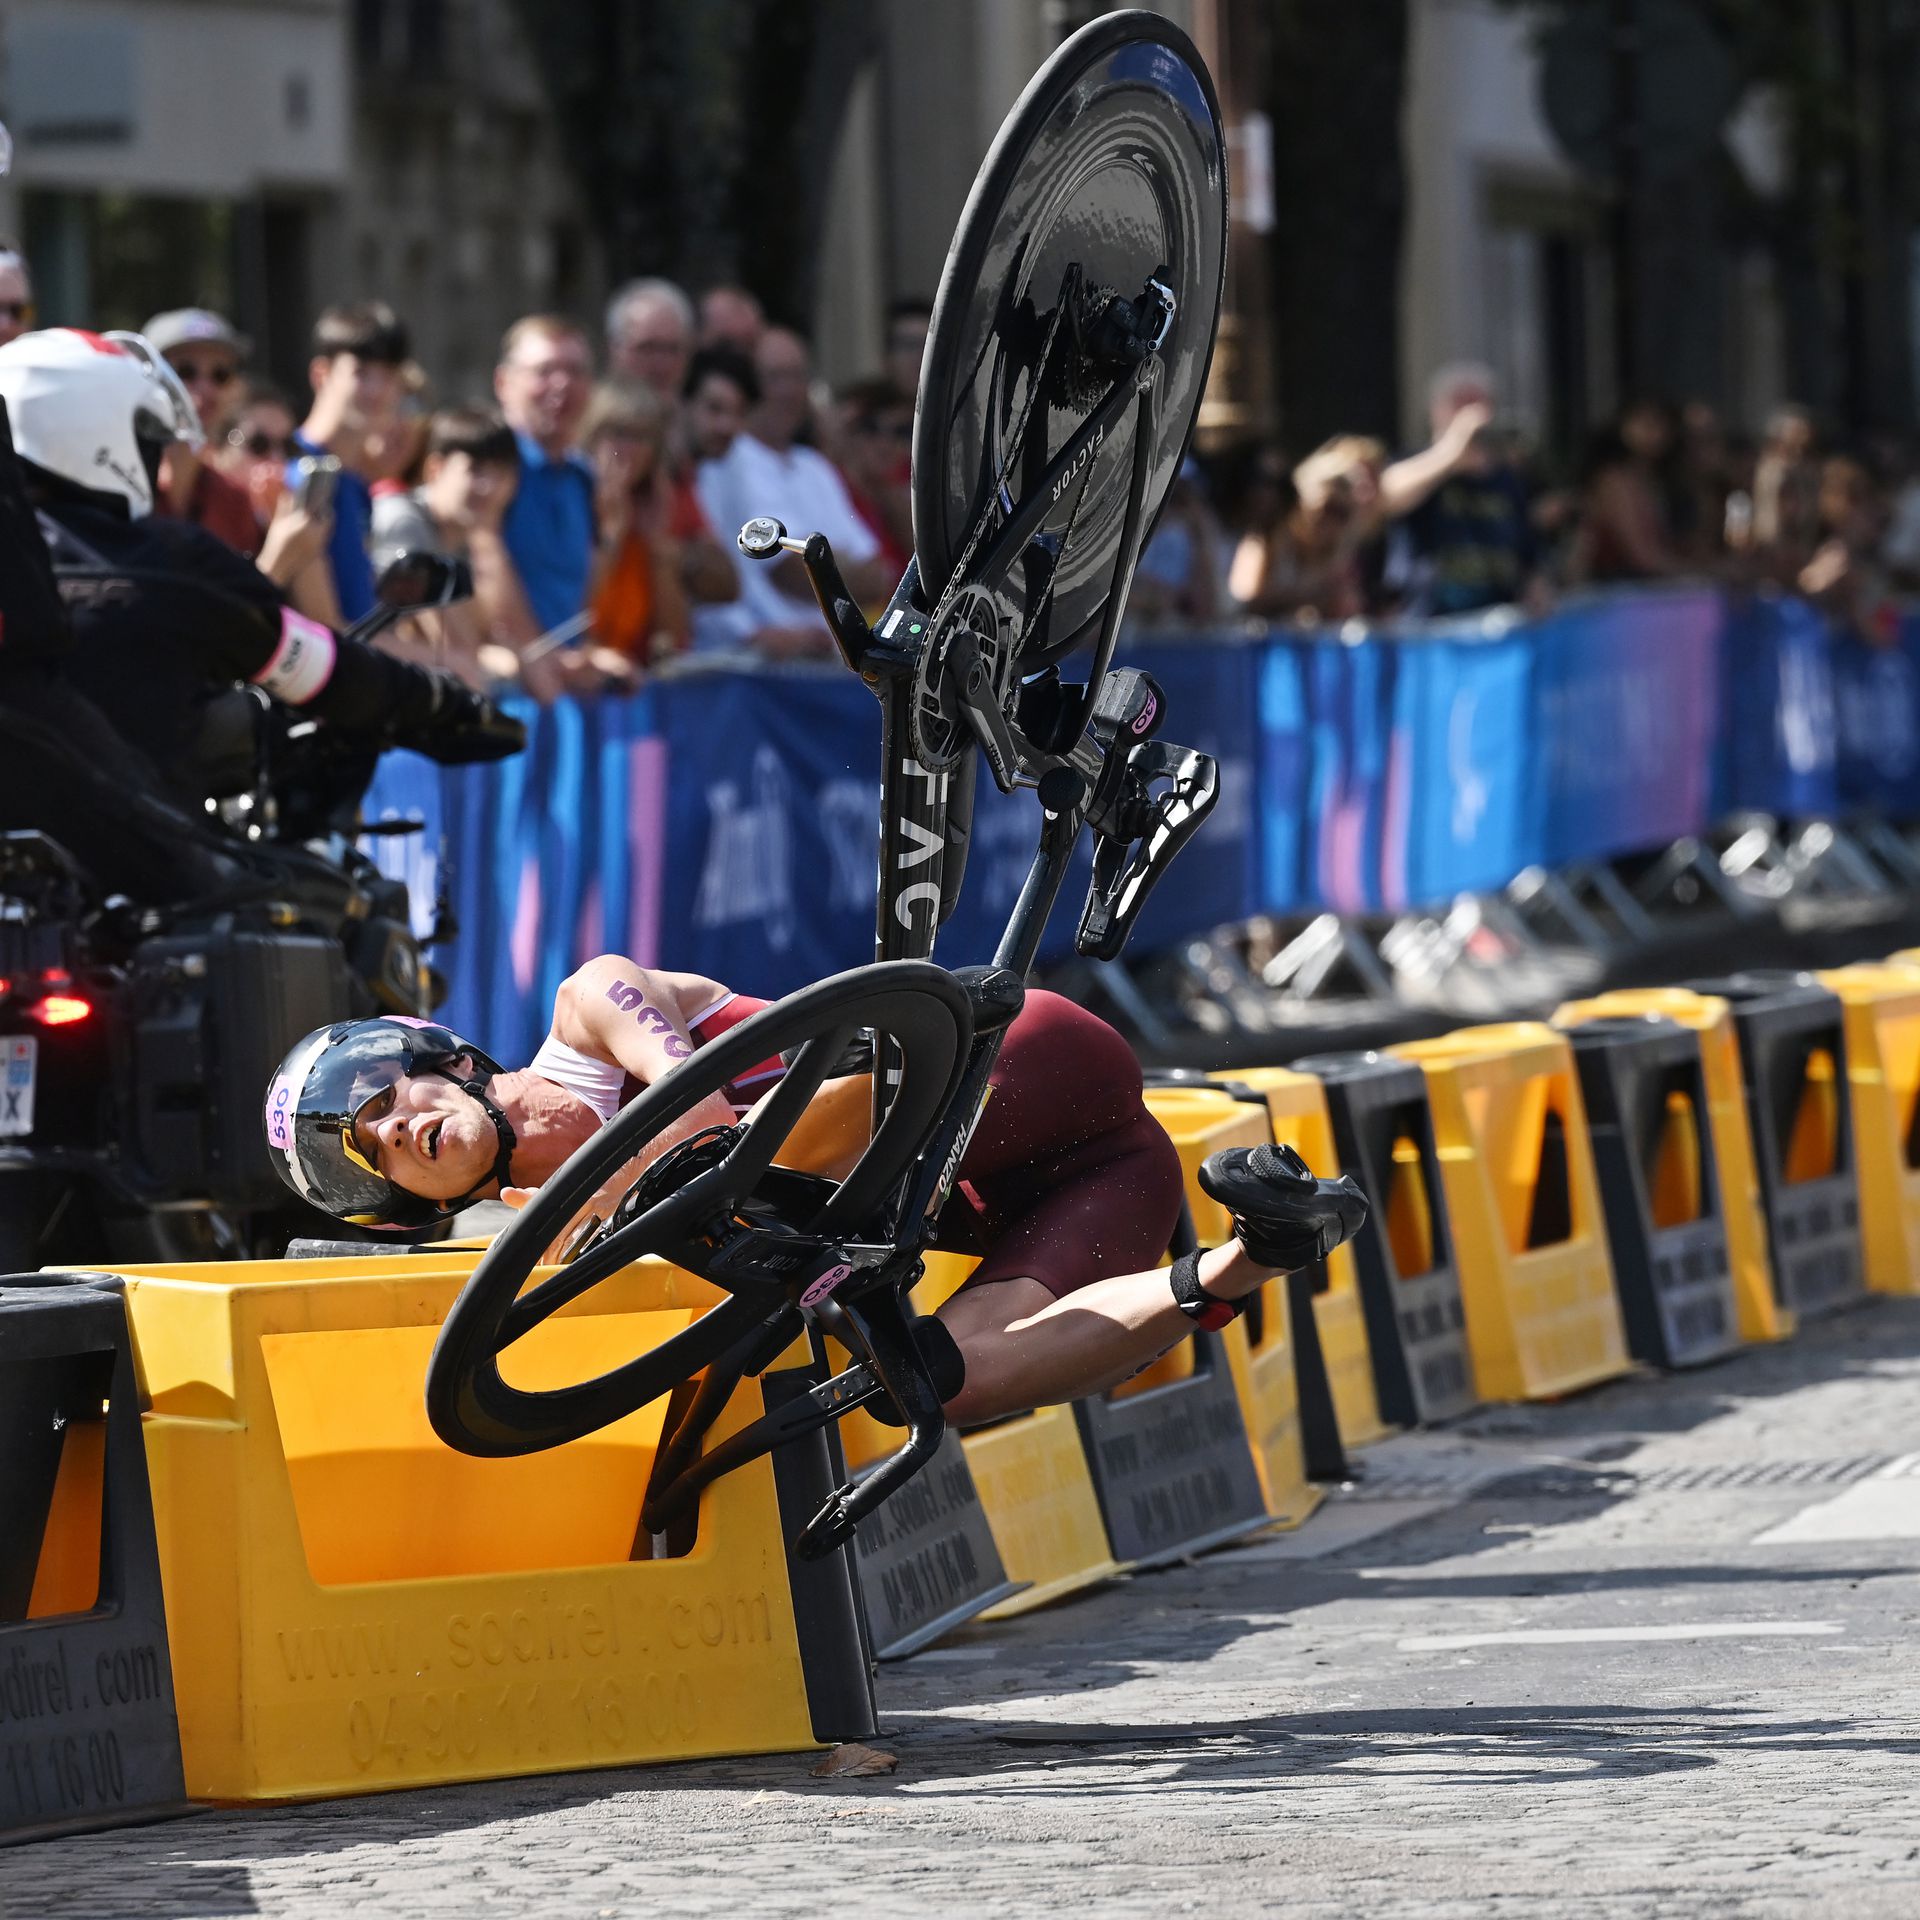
(325, 1084)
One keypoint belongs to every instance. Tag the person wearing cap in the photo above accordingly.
(204, 350)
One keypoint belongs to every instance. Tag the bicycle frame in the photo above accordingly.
(915, 844)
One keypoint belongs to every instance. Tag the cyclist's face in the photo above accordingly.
(427, 1136)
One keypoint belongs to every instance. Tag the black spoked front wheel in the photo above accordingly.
(718, 1206)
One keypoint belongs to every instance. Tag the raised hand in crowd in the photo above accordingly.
(296, 538)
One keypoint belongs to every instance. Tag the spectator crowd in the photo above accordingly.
(1470, 522)
(595, 493)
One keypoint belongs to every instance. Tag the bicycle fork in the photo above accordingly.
(895, 1370)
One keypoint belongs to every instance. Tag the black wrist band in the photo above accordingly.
(1195, 1302)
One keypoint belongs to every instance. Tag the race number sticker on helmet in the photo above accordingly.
(283, 1104)
(302, 663)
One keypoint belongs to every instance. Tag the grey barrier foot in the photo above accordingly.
(1638, 1079)
(89, 1737)
(927, 1558)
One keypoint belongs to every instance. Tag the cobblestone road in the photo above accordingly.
(1649, 1654)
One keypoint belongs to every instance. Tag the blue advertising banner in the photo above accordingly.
(726, 822)
(772, 791)
(1457, 813)
(1778, 739)
(1876, 692)
(1283, 777)
(1626, 715)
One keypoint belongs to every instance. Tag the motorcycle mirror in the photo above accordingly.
(411, 581)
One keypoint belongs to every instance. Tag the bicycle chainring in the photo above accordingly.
(682, 1162)
(937, 722)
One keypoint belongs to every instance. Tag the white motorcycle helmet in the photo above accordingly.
(93, 409)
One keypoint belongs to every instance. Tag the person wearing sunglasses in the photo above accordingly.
(258, 446)
(205, 351)
(16, 293)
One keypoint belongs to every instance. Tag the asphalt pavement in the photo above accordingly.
(1650, 1653)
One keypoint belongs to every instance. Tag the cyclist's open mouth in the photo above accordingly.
(430, 1145)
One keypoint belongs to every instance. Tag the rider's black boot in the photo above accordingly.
(1282, 1215)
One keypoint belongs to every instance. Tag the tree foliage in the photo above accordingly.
(1337, 73)
(702, 135)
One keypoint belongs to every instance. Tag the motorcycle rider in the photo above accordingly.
(63, 768)
(164, 618)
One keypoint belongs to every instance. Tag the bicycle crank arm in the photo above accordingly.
(979, 702)
(763, 538)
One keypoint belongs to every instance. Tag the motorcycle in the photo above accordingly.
(135, 1040)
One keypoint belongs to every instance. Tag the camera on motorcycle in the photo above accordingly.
(413, 581)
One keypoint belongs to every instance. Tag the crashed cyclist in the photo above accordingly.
(1069, 1190)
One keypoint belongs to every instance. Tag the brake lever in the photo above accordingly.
(883, 1327)
(1147, 830)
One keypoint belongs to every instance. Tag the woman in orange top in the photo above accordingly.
(639, 603)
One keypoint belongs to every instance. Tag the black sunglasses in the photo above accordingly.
(260, 444)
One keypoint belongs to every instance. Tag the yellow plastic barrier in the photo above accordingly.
(1200, 1121)
(1260, 1353)
(1760, 1313)
(1030, 1473)
(1297, 1112)
(1535, 1273)
(353, 1606)
(1882, 1014)
(1260, 1348)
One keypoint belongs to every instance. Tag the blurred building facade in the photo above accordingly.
(265, 157)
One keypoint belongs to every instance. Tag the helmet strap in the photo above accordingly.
(503, 1132)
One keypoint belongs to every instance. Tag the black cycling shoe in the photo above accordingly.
(1282, 1215)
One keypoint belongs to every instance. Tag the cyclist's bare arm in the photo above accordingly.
(619, 1004)
(616, 1010)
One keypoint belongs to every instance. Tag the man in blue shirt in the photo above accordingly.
(543, 382)
(358, 354)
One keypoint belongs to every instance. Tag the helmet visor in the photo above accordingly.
(169, 412)
(344, 1092)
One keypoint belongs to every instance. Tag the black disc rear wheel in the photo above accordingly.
(1110, 171)
(911, 1003)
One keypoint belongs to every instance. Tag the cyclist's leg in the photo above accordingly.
(1074, 1189)
(1026, 1346)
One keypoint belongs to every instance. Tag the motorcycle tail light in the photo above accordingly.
(60, 1009)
